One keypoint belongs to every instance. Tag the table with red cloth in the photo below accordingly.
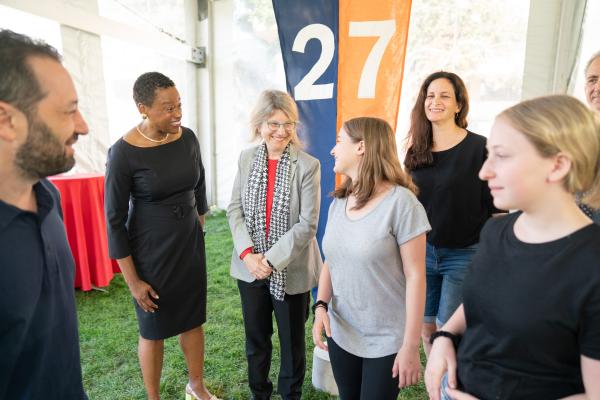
(82, 200)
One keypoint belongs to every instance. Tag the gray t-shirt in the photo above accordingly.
(368, 310)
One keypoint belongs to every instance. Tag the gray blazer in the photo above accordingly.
(297, 250)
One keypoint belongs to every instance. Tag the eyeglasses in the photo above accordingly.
(287, 126)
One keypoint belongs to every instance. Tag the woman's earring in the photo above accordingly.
(144, 116)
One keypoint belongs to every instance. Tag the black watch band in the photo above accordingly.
(455, 338)
(319, 303)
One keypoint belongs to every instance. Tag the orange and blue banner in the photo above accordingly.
(342, 59)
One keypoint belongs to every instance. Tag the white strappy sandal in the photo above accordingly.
(191, 395)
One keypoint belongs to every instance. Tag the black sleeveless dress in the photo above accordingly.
(153, 196)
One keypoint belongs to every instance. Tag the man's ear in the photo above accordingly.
(8, 115)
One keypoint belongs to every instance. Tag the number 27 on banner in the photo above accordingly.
(307, 89)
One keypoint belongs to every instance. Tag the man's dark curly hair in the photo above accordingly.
(144, 88)
(18, 83)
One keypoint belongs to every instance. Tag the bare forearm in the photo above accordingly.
(413, 265)
(457, 323)
(415, 305)
(141, 291)
(128, 269)
(325, 288)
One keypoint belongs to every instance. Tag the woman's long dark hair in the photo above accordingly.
(420, 134)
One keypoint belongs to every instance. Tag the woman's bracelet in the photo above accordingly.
(319, 303)
(453, 337)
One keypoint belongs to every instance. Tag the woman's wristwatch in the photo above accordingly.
(453, 337)
(319, 303)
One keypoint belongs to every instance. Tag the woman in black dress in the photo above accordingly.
(155, 202)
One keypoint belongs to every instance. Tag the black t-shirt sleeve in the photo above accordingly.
(589, 335)
(457, 202)
(531, 309)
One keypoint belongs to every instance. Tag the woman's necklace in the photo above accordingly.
(150, 139)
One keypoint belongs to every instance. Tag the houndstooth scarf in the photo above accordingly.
(255, 202)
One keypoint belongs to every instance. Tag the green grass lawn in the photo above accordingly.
(108, 334)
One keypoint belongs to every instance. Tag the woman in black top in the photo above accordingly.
(531, 314)
(155, 202)
(444, 159)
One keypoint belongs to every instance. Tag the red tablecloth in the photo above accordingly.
(82, 200)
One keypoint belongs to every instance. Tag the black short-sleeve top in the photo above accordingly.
(457, 202)
(531, 310)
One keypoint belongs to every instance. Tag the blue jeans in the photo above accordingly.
(445, 269)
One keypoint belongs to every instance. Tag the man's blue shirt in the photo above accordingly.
(39, 343)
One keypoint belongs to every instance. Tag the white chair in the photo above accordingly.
(322, 375)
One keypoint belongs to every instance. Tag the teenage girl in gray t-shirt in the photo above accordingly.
(372, 286)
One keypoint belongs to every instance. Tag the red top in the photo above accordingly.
(271, 172)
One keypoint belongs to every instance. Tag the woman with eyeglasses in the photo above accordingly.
(273, 217)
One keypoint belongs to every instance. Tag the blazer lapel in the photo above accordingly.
(294, 185)
(293, 161)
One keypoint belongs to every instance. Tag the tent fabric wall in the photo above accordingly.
(553, 37)
(81, 29)
(247, 60)
(82, 57)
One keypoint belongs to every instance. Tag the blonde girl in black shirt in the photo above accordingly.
(530, 320)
